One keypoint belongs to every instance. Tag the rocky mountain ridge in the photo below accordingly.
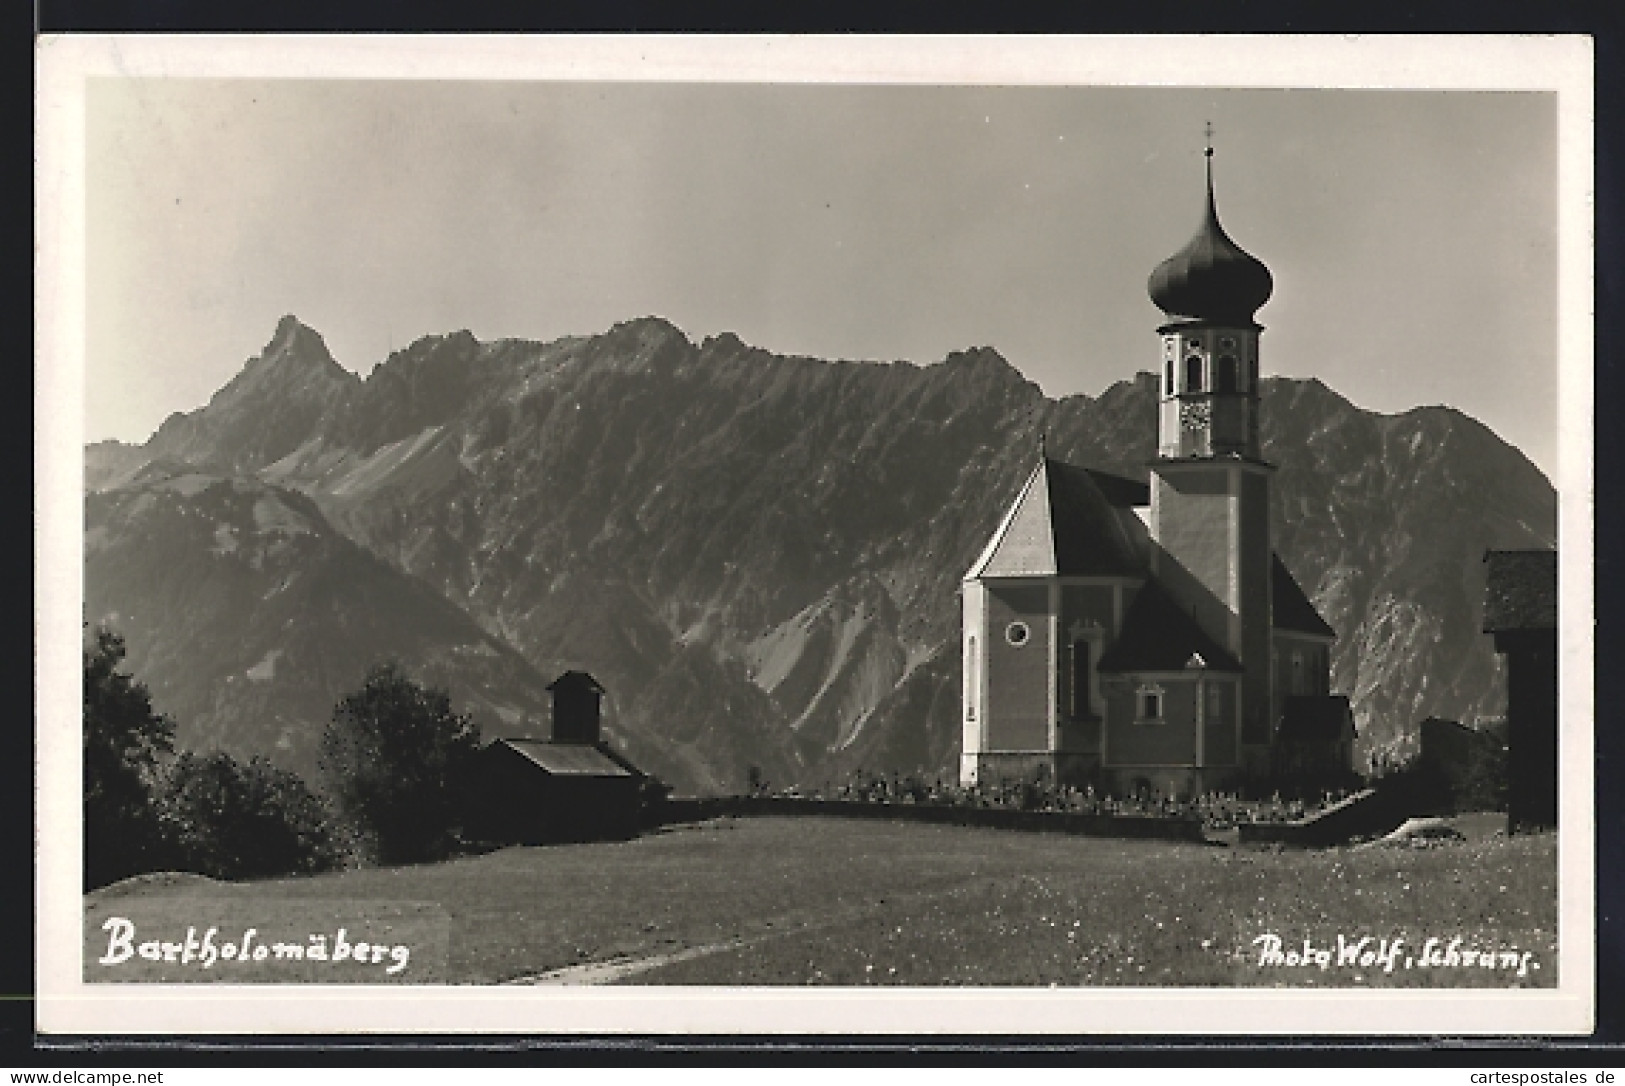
(759, 555)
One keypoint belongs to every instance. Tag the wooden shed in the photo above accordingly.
(530, 792)
(1520, 612)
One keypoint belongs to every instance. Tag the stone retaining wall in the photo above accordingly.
(1071, 822)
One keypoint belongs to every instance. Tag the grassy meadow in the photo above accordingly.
(797, 901)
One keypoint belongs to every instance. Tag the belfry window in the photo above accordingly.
(1226, 378)
(1193, 373)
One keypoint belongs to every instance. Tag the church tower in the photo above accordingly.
(1163, 650)
(1210, 486)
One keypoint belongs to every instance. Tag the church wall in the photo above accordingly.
(1017, 707)
(973, 637)
(1168, 427)
(1086, 603)
(1253, 584)
(1312, 676)
(1219, 729)
(1086, 611)
(1172, 742)
(1194, 514)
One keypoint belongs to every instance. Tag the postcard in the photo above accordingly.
(803, 535)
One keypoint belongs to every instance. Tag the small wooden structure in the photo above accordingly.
(577, 708)
(1520, 612)
(570, 788)
(533, 793)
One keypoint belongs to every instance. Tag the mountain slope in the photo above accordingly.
(760, 555)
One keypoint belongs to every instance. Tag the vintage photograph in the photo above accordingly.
(740, 523)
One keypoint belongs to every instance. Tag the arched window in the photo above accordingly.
(1227, 375)
(1168, 378)
(1193, 373)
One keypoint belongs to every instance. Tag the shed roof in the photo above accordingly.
(1520, 590)
(1290, 608)
(1158, 635)
(573, 679)
(1067, 521)
(566, 759)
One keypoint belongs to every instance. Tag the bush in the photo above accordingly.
(123, 742)
(396, 760)
(237, 820)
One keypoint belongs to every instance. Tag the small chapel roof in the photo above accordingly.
(1158, 635)
(1290, 608)
(1068, 521)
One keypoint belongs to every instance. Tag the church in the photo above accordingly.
(1145, 637)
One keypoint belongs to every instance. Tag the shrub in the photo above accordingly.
(246, 820)
(396, 759)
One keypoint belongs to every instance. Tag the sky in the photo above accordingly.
(1412, 234)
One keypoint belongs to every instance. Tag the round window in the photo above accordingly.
(1017, 633)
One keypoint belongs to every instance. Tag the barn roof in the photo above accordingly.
(1520, 590)
(1158, 635)
(1067, 521)
(1290, 608)
(1315, 718)
(567, 759)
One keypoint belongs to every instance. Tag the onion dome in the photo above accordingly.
(1211, 278)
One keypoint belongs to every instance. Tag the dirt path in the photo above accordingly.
(617, 969)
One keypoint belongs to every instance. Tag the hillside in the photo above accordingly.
(759, 555)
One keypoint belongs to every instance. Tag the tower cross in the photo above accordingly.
(1209, 131)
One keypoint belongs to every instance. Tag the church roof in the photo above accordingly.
(1520, 590)
(1068, 521)
(1290, 609)
(1211, 278)
(1158, 635)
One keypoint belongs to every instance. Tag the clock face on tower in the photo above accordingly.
(1195, 416)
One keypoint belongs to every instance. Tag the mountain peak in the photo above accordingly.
(294, 338)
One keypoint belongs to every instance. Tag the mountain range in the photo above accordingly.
(758, 556)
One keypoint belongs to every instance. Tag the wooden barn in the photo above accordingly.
(570, 787)
(1520, 612)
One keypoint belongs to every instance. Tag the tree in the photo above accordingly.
(396, 760)
(245, 820)
(123, 742)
